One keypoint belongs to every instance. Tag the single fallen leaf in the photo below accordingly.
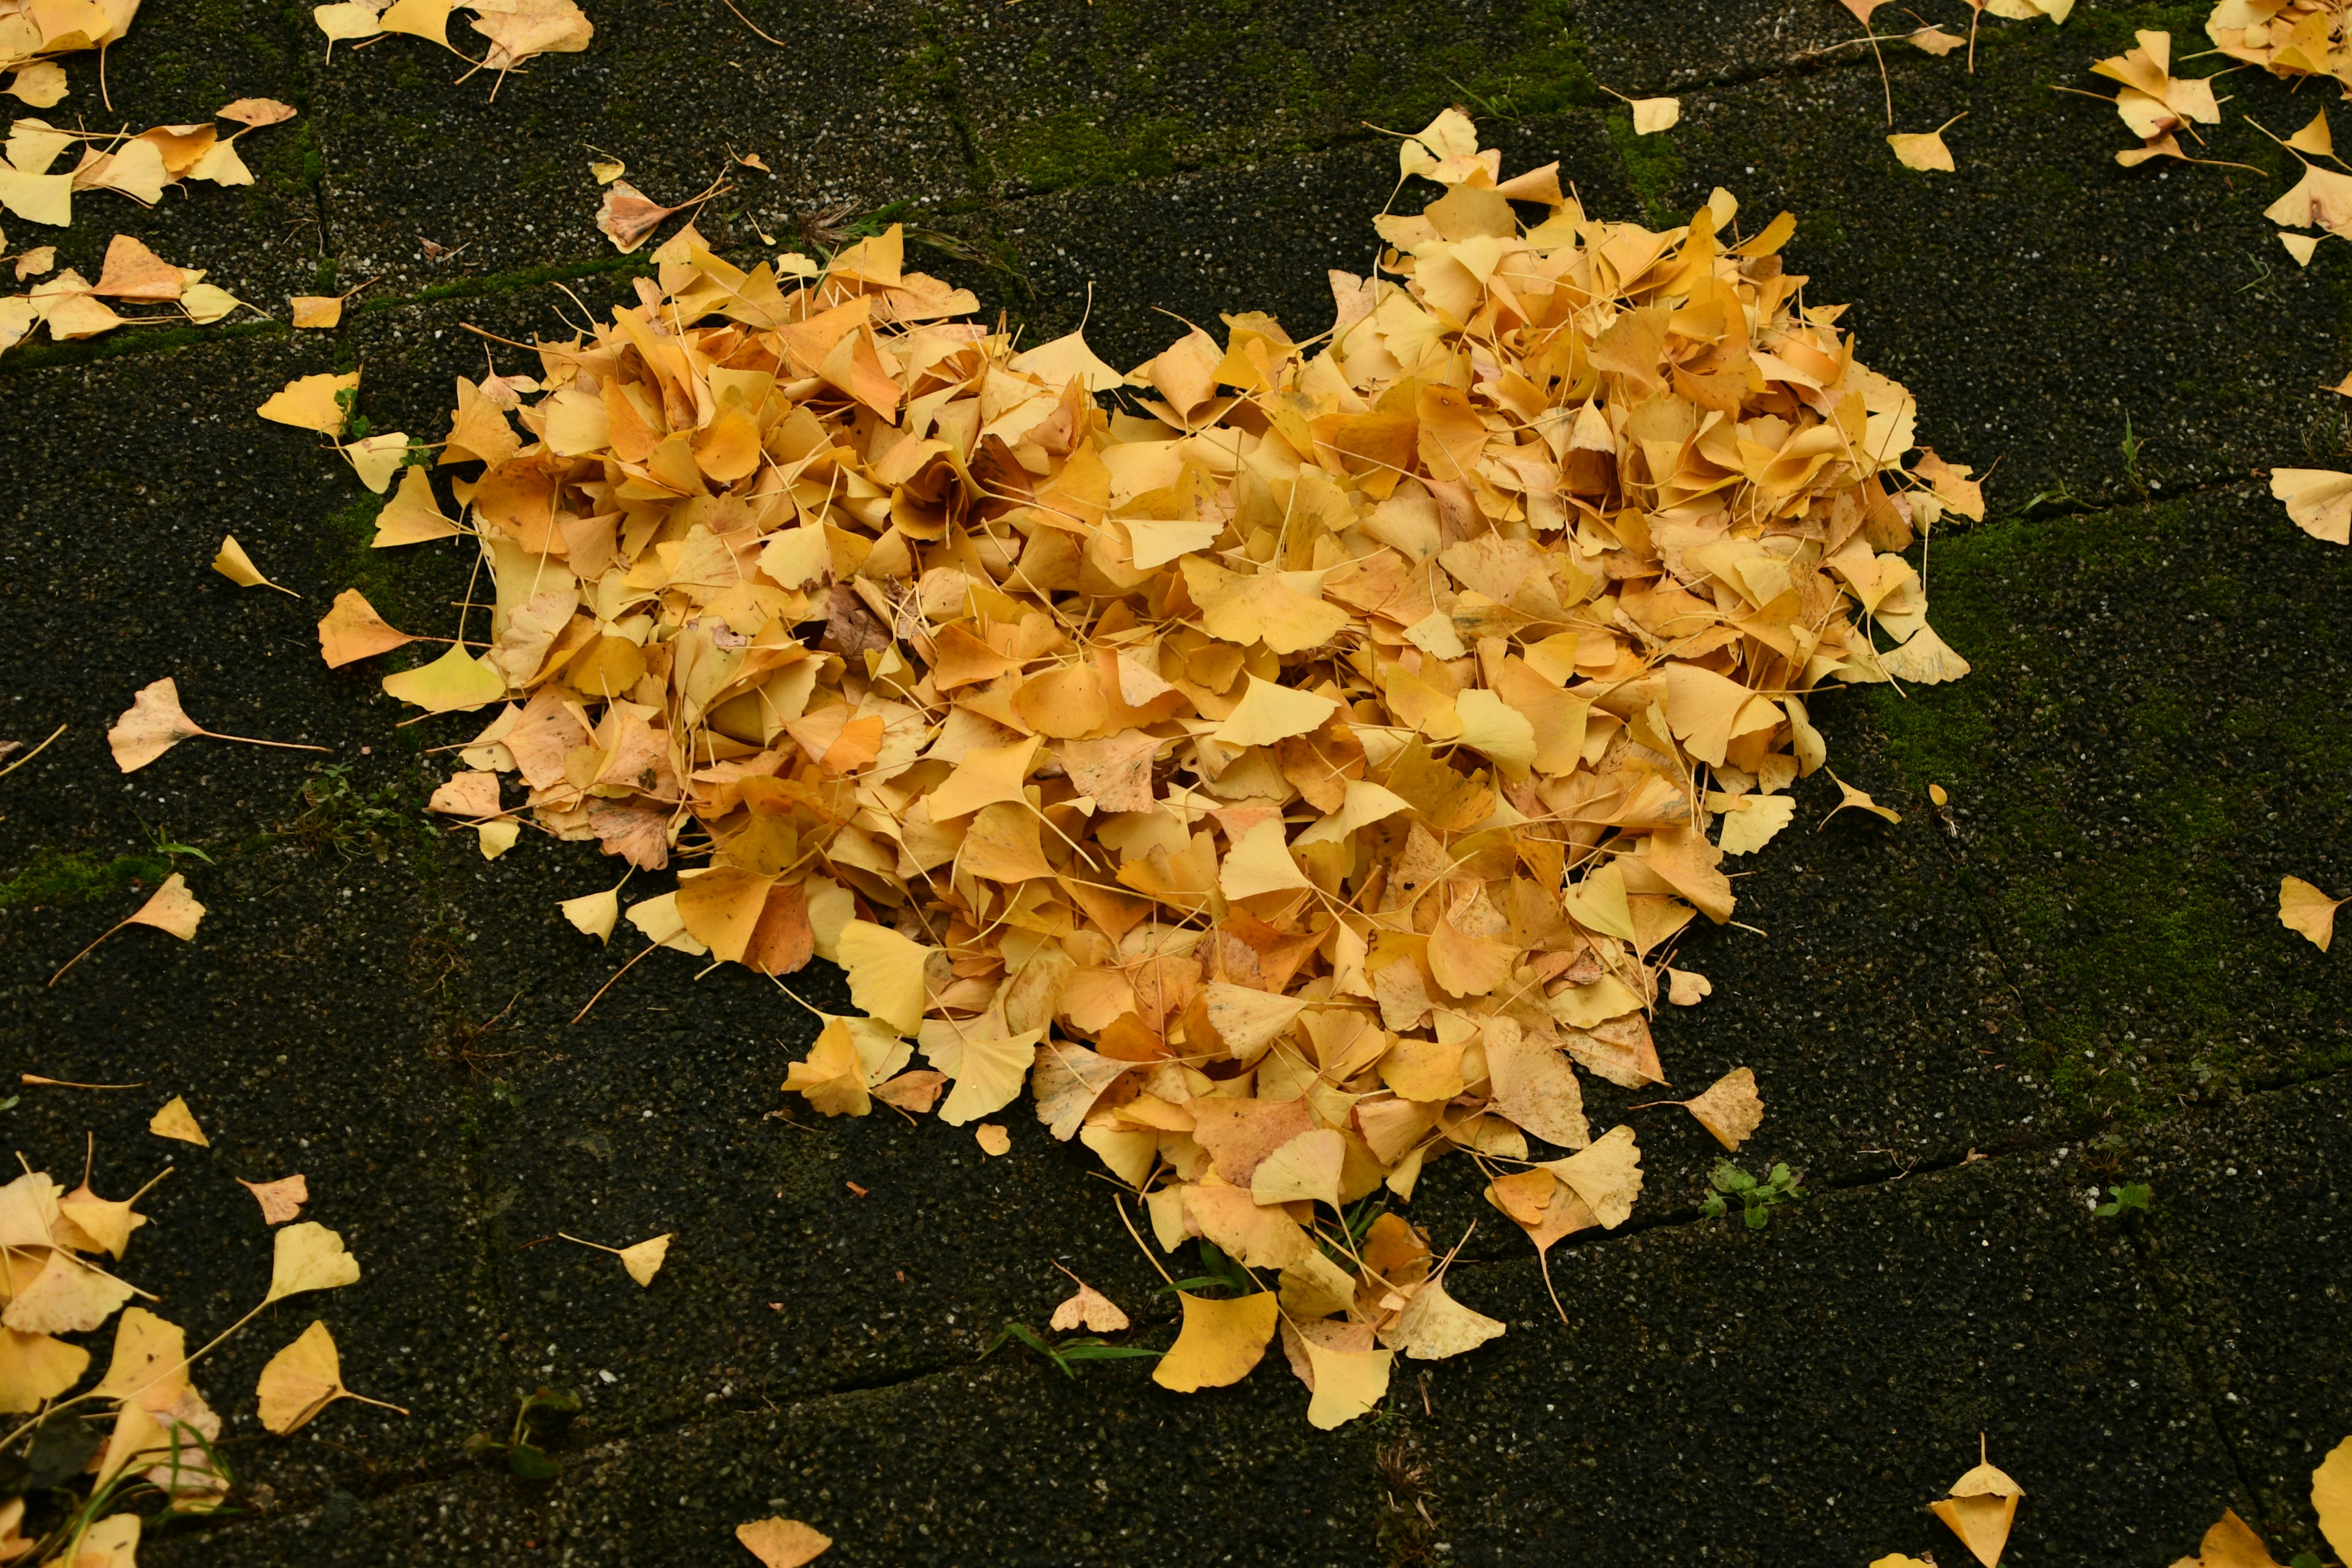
(2331, 1496)
(175, 1121)
(2230, 1543)
(2305, 909)
(65, 1297)
(1434, 1325)
(1850, 797)
(317, 310)
(1925, 150)
(1607, 1176)
(992, 1139)
(594, 914)
(642, 1261)
(352, 630)
(1348, 1384)
(2318, 502)
(280, 1200)
(149, 1362)
(1979, 1509)
(885, 973)
(313, 403)
(452, 683)
(34, 1369)
(310, 1257)
(607, 171)
(1750, 821)
(171, 909)
(1687, 987)
(234, 565)
(304, 1379)
(1220, 1342)
(627, 215)
(155, 724)
(1729, 1107)
(35, 261)
(111, 1542)
(1935, 41)
(1651, 115)
(1086, 1307)
(780, 1543)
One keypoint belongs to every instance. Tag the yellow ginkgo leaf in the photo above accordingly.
(986, 775)
(303, 1379)
(885, 973)
(411, 516)
(317, 310)
(779, 1543)
(456, 680)
(1750, 821)
(1434, 1325)
(280, 1200)
(2331, 1498)
(67, 1297)
(2318, 502)
(594, 914)
(1651, 115)
(310, 1257)
(112, 1541)
(155, 724)
(1924, 150)
(176, 1120)
(1607, 1175)
(171, 909)
(1087, 1307)
(986, 1072)
(1348, 1384)
(642, 1261)
(2305, 909)
(1267, 713)
(1067, 359)
(234, 565)
(1860, 800)
(1729, 1107)
(1261, 863)
(150, 1362)
(848, 1058)
(312, 403)
(993, 1140)
(1305, 1167)
(35, 1369)
(1981, 1509)
(1220, 1342)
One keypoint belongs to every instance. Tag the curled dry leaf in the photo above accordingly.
(234, 565)
(780, 1543)
(175, 1121)
(1860, 801)
(1979, 1509)
(280, 1200)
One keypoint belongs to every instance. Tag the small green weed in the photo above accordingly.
(1758, 1199)
(2129, 1196)
(2133, 446)
(539, 1421)
(1065, 1353)
(338, 815)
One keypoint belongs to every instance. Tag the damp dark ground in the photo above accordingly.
(2070, 979)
